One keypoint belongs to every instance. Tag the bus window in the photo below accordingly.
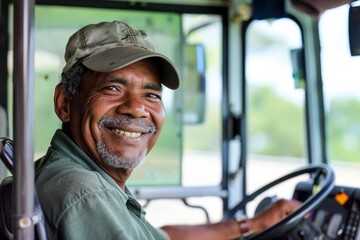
(275, 102)
(206, 152)
(201, 160)
(341, 96)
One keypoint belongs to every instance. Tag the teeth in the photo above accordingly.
(126, 133)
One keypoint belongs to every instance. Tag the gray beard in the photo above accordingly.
(113, 160)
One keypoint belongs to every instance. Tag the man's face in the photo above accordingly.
(117, 117)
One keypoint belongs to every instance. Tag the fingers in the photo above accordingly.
(287, 206)
(273, 214)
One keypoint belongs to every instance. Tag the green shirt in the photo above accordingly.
(80, 201)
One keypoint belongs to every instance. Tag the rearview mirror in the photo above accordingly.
(194, 84)
(298, 65)
(354, 30)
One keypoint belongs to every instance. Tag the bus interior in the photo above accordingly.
(268, 108)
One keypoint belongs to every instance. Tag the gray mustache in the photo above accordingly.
(125, 120)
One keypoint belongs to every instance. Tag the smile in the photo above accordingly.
(126, 133)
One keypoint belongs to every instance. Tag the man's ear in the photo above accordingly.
(62, 103)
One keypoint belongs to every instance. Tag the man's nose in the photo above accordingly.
(134, 106)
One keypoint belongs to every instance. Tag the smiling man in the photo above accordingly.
(110, 104)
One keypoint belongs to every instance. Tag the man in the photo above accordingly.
(110, 103)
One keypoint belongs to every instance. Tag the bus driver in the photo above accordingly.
(109, 102)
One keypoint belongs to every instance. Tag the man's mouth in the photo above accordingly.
(126, 133)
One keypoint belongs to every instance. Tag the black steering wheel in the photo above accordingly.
(323, 177)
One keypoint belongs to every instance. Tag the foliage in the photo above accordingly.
(275, 125)
(344, 129)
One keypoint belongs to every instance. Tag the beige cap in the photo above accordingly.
(108, 46)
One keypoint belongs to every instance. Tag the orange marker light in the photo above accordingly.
(341, 198)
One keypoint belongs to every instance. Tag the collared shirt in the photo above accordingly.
(81, 201)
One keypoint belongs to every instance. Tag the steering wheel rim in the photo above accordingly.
(295, 217)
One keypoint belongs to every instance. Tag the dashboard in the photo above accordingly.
(336, 217)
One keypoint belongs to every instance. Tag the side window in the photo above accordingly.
(275, 102)
(202, 141)
(341, 92)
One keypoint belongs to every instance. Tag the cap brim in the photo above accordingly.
(119, 57)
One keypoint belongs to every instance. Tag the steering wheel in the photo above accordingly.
(287, 223)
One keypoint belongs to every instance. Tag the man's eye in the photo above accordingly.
(154, 96)
(111, 88)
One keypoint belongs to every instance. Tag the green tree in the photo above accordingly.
(275, 125)
(343, 121)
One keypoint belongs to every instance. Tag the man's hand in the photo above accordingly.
(273, 214)
(230, 229)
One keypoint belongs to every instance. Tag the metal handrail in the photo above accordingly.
(24, 118)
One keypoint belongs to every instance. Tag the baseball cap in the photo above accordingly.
(108, 46)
